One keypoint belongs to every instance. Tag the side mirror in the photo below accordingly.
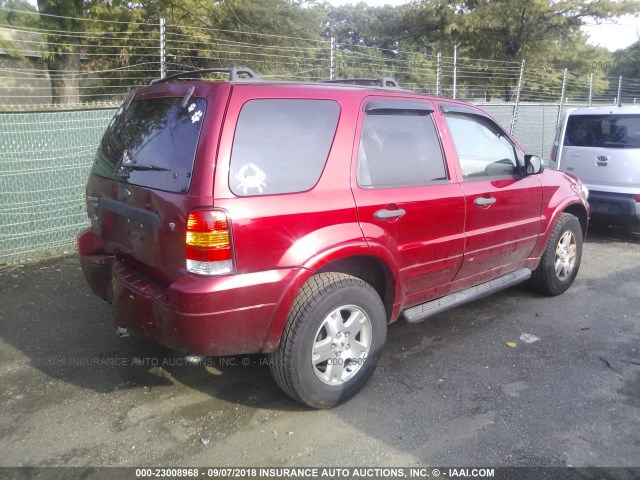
(533, 164)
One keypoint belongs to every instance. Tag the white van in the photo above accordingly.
(602, 147)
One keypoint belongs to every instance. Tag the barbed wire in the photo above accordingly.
(113, 62)
(46, 149)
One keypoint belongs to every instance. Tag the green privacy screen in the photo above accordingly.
(45, 159)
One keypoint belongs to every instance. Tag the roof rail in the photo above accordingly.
(234, 74)
(384, 82)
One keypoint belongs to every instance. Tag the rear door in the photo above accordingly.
(145, 178)
(603, 150)
(503, 207)
(408, 206)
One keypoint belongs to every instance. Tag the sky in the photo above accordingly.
(615, 36)
(611, 36)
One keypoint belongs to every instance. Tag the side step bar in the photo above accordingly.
(425, 310)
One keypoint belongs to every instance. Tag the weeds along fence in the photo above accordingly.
(47, 142)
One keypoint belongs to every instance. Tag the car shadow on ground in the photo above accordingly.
(441, 386)
(53, 323)
(603, 232)
(56, 325)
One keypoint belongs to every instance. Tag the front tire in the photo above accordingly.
(561, 259)
(332, 341)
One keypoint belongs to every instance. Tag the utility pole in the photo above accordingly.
(439, 74)
(590, 89)
(332, 59)
(620, 90)
(455, 69)
(514, 116)
(163, 71)
(564, 87)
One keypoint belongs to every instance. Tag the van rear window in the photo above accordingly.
(281, 146)
(604, 131)
(152, 143)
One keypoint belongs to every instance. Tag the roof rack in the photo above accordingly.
(234, 74)
(384, 82)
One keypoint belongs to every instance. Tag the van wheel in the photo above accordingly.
(561, 259)
(332, 341)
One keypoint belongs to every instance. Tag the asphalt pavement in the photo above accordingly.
(448, 391)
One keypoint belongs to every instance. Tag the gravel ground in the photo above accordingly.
(447, 392)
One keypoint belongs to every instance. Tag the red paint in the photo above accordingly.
(443, 243)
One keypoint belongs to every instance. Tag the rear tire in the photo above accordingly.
(332, 341)
(561, 259)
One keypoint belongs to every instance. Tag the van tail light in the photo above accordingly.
(208, 241)
(636, 198)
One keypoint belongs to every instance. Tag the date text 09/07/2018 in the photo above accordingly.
(314, 472)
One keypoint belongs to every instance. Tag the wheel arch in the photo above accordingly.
(578, 211)
(372, 270)
(354, 261)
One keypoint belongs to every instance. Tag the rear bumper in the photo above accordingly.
(617, 207)
(198, 315)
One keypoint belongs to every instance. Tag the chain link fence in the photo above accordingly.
(46, 150)
(44, 164)
(45, 158)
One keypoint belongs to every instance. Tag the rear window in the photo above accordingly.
(605, 131)
(152, 143)
(281, 146)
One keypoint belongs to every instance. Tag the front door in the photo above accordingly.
(409, 209)
(503, 206)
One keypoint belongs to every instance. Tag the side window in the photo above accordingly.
(482, 148)
(281, 146)
(399, 148)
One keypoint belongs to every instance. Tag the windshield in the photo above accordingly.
(152, 143)
(604, 131)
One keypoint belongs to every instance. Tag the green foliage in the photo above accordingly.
(15, 18)
(62, 16)
(290, 38)
(124, 44)
(545, 34)
(268, 36)
(626, 62)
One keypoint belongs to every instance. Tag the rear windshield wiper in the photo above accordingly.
(142, 167)
(123, 170)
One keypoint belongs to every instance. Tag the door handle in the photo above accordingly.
(484, 201)
(385, 214)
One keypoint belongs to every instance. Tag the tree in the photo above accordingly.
(12, 16)
(268, 36)
(626, 62)
(122, 45)
(544, 33)
(430, 25)
(516, 29)
(12, 13)
(63, 19)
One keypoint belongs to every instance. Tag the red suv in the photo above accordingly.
(299, 220)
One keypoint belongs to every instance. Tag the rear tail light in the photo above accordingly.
(636, 198)
(209, 243)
